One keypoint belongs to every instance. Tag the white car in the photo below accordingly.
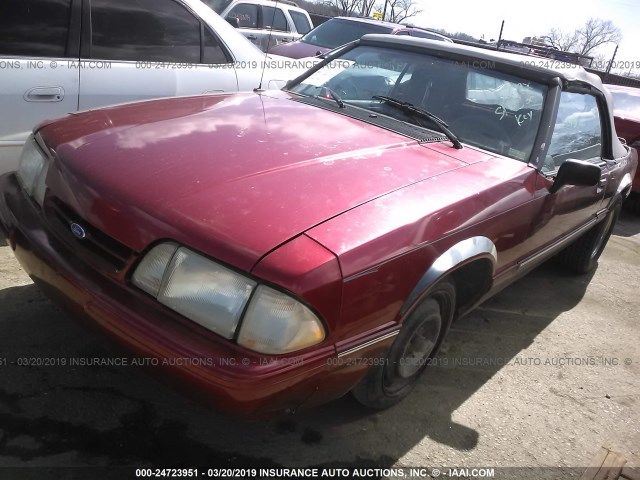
(266, 23)
(61, 56)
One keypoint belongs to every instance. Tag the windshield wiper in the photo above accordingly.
(326, 92)
(412, 109)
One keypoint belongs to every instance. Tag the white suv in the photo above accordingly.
(60, 56)
(265, 22)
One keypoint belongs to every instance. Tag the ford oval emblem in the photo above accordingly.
(78, 231)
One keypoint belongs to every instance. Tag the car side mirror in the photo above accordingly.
(234, 21)
(576, 172)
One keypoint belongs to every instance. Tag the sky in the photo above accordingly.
(535, 18)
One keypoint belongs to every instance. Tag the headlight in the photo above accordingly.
(196, 287)
(277, 323)
(216, 297)
(148, 276)
(32, 171)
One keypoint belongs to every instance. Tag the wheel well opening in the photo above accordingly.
(473, 280)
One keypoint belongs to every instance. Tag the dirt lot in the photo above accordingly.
(542, 375)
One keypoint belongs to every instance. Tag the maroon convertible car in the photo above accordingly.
(278, 249)
(339, 31)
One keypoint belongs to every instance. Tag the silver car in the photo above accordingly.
(61, 56)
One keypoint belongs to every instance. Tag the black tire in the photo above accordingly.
(582, 255)
(632, 204)
(417, 343)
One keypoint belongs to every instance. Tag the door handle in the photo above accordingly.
(44, 94)
(252, 37)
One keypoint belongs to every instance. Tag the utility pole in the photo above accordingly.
(612, 59)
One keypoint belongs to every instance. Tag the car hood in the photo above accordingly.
(233, 176)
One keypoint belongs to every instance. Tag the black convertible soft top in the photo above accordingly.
(543, 70)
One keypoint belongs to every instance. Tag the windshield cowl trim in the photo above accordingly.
(415, 132)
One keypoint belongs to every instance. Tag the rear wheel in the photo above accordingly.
(632, 203)
(582, 255)
(417, 343)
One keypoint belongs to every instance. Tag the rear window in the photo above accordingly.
(336, 32)
(300, 21)
(36, 28)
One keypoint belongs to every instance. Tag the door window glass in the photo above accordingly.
(246, 13)
(274, 18)
(213, 51)
(301, 22)
(577, 133)
(35, 28)
(144, 30)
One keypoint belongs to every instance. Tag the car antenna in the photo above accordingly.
(264, 63)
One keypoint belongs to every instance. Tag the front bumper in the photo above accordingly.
(212, 369)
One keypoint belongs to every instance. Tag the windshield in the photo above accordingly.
(217, 6)
(336, 32)
(626, 104)
(482, 106)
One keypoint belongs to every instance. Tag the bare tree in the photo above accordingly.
(597, 32)
(401, 10)
(326, 8)
(347, 7)
(594, 33)
(366, 7)
(561, 40)
(397, 10)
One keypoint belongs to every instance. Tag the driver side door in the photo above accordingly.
(577, 134)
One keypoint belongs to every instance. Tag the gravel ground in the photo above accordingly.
(542, 375)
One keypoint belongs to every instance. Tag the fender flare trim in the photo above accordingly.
(460, 253)
(624, 183)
